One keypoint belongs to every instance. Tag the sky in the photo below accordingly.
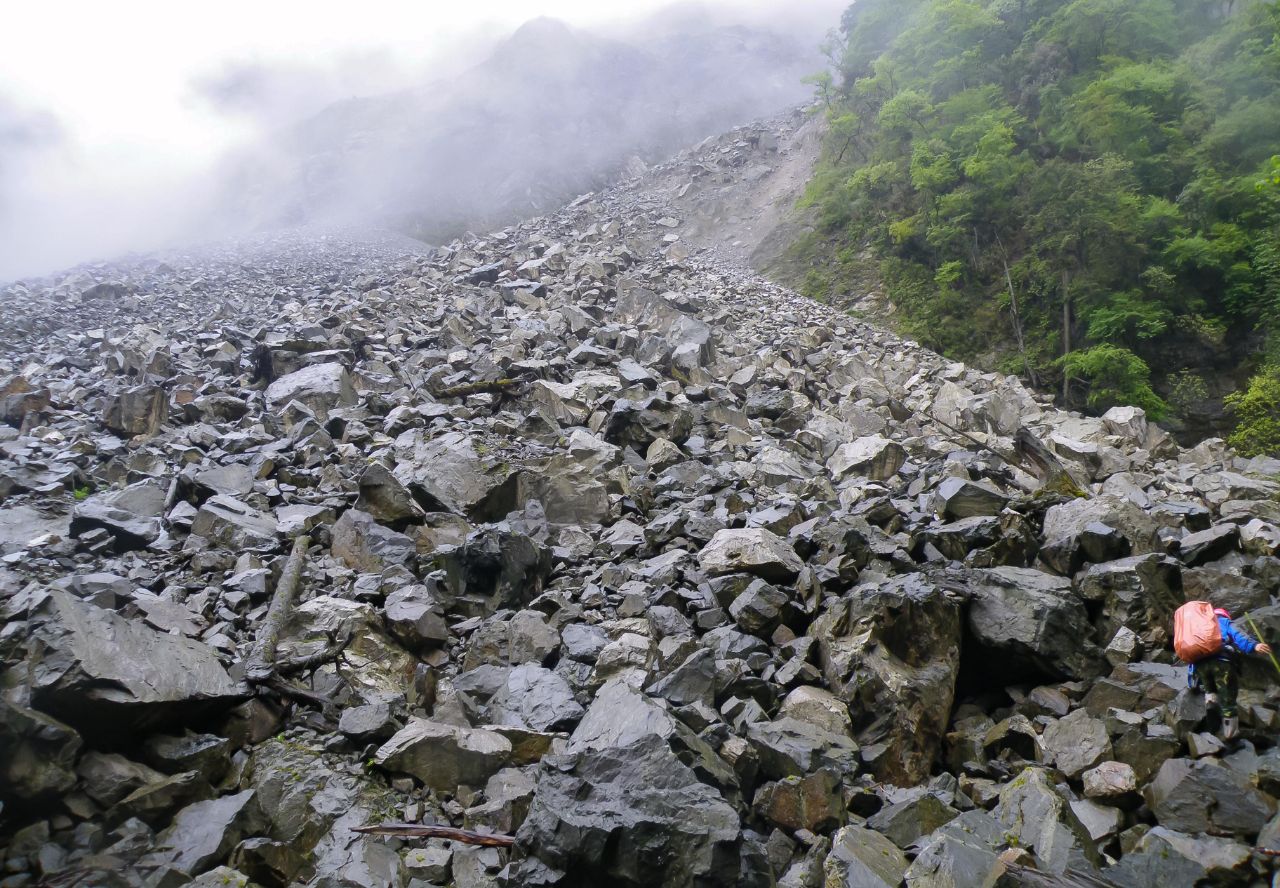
(110, 111)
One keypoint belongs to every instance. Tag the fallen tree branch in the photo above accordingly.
(262, 661)
(312, 662)
(433, 831)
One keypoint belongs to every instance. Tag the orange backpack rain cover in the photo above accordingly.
(1196, 634)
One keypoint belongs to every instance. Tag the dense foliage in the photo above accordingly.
(1258, 409)
(1074, 190)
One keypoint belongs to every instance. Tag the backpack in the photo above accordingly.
(1196, 633)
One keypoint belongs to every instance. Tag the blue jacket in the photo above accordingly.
(1233, 641)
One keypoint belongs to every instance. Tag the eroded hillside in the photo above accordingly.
(583, 533)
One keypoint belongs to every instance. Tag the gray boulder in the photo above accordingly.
(133, 515)
(961, 498)
(1076, 743)
(233, 524)
(415, 617)
(110, 675)
(891, 652)
(1036, 817)
(759, 608)
(792, 748)
(632, 816)
(535, 698)
(321, 387)
(751, 550)
(444, 756)
(638, 424)
(140, 410)
(362, 543)
(497, 567)
(960, 854)
(1209, 545)
(861, 858)
(1203, 796)
(1034, 617)
(1140, 592)
(813, 803)
(233, 480)
(1066, 530)
(873, 457)
(451, 474)
(204, 834)
(906, 822)
(385, 498)
(109, 777)
(1165, 857)
(37, 754)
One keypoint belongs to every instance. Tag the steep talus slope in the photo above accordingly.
(676, 576)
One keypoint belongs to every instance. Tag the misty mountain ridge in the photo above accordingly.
(551, 112)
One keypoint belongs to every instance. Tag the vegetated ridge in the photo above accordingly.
(1071, 190)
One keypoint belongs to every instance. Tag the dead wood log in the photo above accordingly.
(261, 666)
(171, 495)
(478, 388)
(433, 831)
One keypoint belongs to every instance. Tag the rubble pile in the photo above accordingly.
(580, 534)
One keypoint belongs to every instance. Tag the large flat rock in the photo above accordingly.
(104, 674)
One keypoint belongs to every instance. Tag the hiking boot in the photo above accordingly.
(1230, 727)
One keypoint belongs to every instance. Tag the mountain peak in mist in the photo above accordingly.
(540, 45)
(540, 30)
(550, 112)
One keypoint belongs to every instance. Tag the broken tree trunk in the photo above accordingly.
(262, 661)
(432, 831)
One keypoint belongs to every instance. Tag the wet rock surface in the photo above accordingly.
(600, 541)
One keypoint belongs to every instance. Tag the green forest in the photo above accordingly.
(1081, 192)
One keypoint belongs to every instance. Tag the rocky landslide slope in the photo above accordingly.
(579, 534)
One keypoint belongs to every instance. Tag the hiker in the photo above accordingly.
(1218, 674)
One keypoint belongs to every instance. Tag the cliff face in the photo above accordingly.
(583, 533)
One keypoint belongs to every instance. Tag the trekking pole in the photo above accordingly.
(1258, 635)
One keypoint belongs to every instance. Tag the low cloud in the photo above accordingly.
(433, 140)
